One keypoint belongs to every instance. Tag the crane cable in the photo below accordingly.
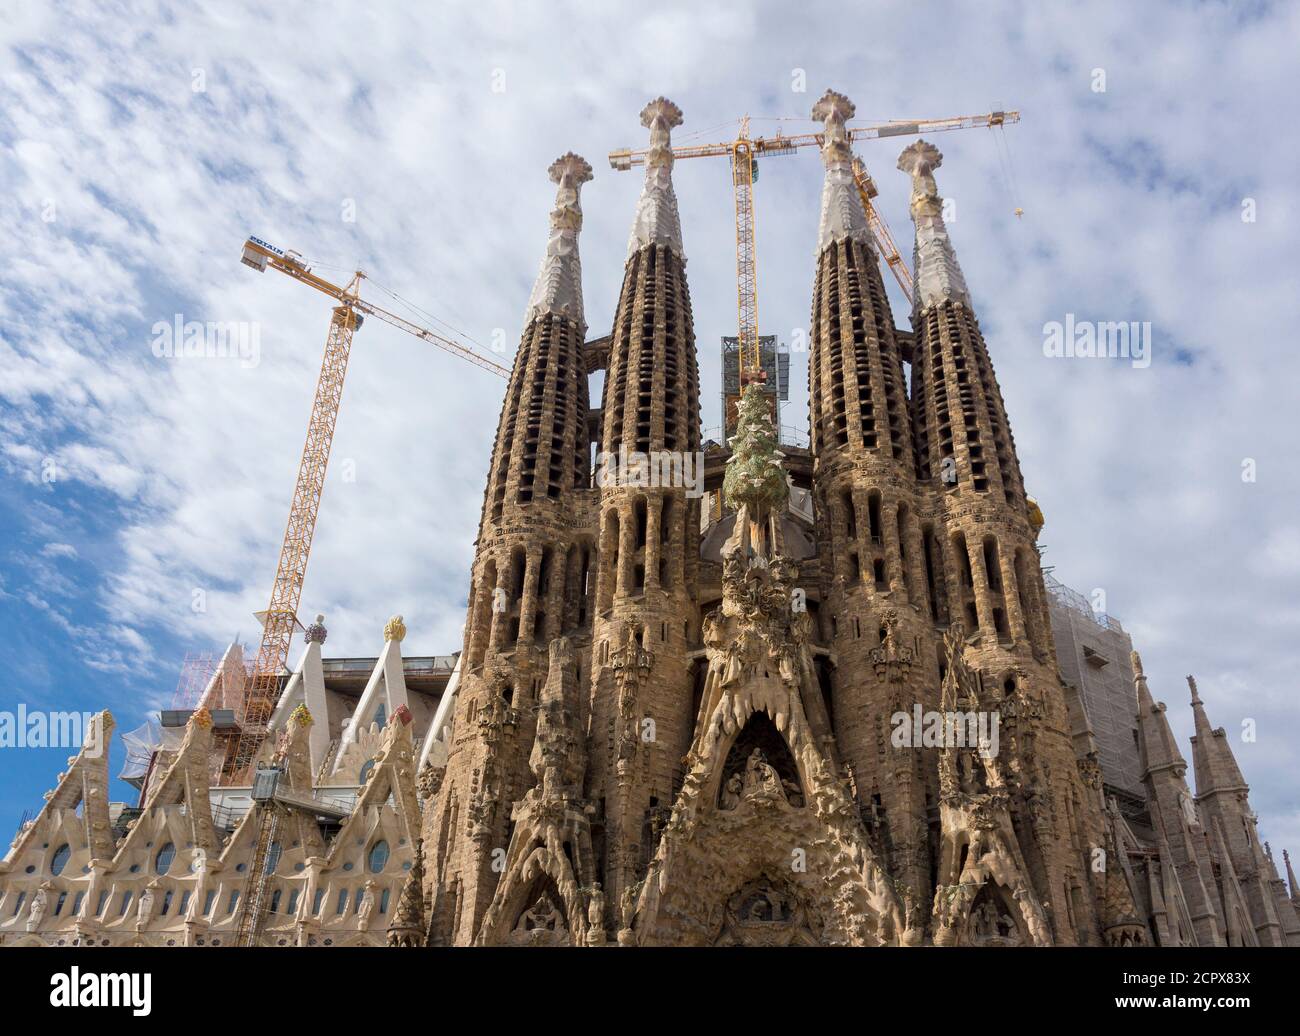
(1007, 167)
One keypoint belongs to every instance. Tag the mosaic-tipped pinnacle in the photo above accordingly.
(920, 157)
(661, 108)
(570, 170)
(833, 107)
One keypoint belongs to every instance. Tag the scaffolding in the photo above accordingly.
(196, 673)
(1076, 602)
(773, 361)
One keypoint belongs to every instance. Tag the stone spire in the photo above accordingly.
(648, 548)
(842, 212)
(1290, 876)
(657, 221)
(1174, 813)
(559, 280)
(938, 276)
(1156, 742)
(1212, 759)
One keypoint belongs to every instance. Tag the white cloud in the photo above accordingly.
(59, 550)
(1132, 205)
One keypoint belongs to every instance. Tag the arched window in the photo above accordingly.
(378, 856)
(366, 767)
(60, 859)
(273, 852)
(163, 861)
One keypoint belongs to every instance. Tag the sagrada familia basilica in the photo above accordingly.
(686, 720)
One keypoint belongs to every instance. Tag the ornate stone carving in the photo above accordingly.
(558, 288)
(316, 632)
(937, 274)
(843, 216)
(892, 659)
(395, 629)
(657, 221)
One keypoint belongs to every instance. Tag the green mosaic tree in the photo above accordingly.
(755, 478)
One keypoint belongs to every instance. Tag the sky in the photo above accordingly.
(143, 497)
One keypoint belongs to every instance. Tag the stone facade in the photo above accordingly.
(747, 724)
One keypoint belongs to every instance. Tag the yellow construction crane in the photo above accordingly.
(745, 151)
(281, 617)
(879, 229)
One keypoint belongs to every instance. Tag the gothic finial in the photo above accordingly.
(660, 116)
(316, 632)
(570, 170)
(558, 288)
(657, 221)
(833, 109)
(1135, 660)
(843, 216)
(1290, 874)
(1035, 513)
(938, 277)
(395, 629)
(1191, 682)
(920, 159)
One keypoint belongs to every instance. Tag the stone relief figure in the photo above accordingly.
(596, 908)
(40, 903)
(367, 906)
(731, 791)
(760, 776)
(764, 913)
(543, 915)
(984, 920)
(144, 909)
(989, 925)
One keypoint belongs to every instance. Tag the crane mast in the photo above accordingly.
(743, 166)
(262, 687)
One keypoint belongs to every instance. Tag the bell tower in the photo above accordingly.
(867, 517)
(527, 582)
(648, 476)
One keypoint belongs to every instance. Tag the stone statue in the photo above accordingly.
(542, 915)
(759, 774)
(40, 903)
(144, 909)
(731, 792)
(367, 906)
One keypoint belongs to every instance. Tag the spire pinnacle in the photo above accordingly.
(938, 276)
(1290, 874)
(1212, 757)
(657, 221)
(558, 288)
(1156, 744)
(842, 214)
